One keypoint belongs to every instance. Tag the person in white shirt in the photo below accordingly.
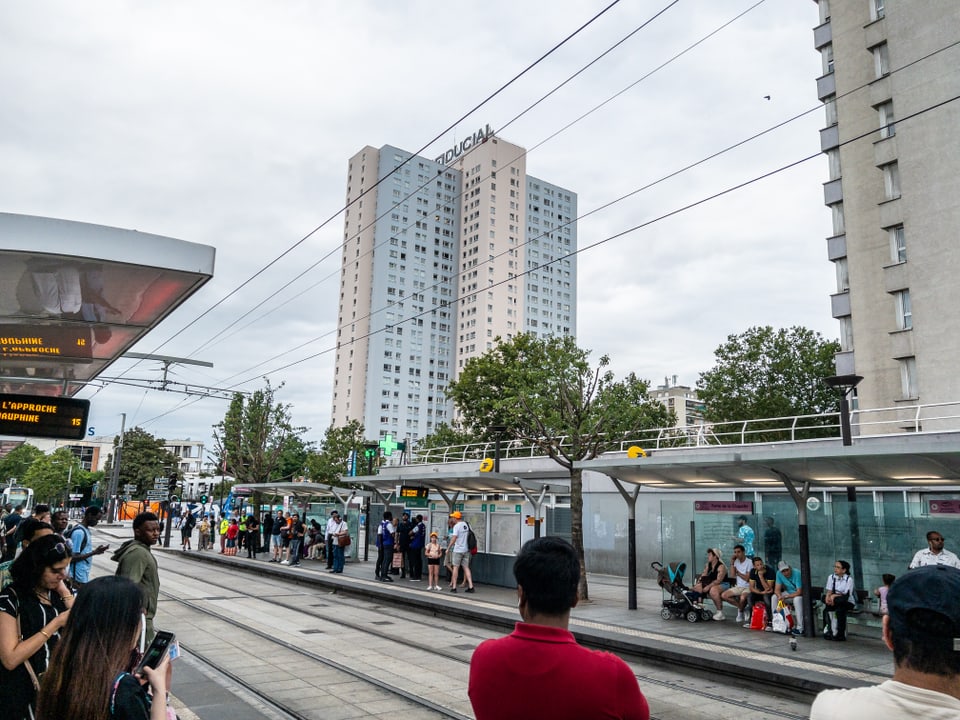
(459, 551)
(922, 629)
(739, 593)
(936, 554)
(332, 522)
(839, 598)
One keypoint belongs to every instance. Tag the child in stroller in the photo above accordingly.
(679, 604)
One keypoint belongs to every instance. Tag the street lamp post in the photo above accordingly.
(844, 385)
(498, 431)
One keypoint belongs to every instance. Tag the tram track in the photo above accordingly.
(460, 655)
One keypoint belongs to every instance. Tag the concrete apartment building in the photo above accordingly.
(894, 194)
(439, 258)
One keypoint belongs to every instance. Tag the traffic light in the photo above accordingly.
(203, 499)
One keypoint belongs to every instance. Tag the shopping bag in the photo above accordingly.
(758, 618)
(782, 607)
(780, 623)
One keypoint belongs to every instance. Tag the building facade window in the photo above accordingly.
(826, 56)
(833, 163)
(885, 111)
(877, 9)
(843, 274)
(898, 244)
(908, 378)
(846, 333)
(904, 310)
(881, 59)
(836, 212)
(891, 180)
(830, 109)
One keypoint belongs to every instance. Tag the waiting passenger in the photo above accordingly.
(762, 578)
(839, 597)
(788, 589)
(33, 609)
(90, 674)
(713, 581)
(539, 671)
(935, 554)
(739, 592)
(881, 592)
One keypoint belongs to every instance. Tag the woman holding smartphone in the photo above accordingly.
(91, 675)
(33, 610)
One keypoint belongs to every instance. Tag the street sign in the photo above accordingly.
(156, 495)
(160, 483)
(129, 489)
(76, 496)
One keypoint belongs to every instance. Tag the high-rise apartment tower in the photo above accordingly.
(440, 258)
(889, 73)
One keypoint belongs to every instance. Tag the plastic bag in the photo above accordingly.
(758, 618)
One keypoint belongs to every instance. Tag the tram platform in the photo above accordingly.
(710, 648)
(723, 647)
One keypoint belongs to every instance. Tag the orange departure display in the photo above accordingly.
(50, 417)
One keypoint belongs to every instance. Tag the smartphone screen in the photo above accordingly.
(154, 653)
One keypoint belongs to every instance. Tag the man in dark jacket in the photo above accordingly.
(403, 542)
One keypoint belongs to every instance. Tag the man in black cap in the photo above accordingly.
(923, 630)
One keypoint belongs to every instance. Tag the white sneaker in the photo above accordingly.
(718, 615)
(740, 617)
(284, 562)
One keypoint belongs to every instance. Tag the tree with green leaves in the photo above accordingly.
(330, 464)
(51, 476)
(253, 436)
(767, 373)
(14, 465)
(143, 459)
(545, 392)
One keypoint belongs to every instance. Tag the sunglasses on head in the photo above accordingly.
(56, 553)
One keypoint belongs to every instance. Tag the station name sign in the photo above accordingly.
(480, 136)
(419, 493)
(724, 506)
(49, 417)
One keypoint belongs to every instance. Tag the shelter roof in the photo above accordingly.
(903, 460)
(74, 297)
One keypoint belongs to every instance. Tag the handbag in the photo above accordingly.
(343, 540)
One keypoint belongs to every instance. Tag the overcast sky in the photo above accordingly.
(229, 123)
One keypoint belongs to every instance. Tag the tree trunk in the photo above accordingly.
(576, 528)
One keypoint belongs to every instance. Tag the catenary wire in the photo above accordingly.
(398, 203)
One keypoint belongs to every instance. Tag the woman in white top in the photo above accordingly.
(839, 597)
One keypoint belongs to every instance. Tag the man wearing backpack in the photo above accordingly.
(460, 551)
(83, 550)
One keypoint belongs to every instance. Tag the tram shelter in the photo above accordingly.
(902, 461)
(483, 497)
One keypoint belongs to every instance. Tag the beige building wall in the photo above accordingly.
(356, 278)
(894, 192)
(493, 215)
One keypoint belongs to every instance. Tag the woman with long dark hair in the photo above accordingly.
(90, 676)
(33, 609)
(839, 598)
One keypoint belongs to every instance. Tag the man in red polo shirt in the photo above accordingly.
(540, 670)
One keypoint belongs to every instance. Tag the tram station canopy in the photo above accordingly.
(904, 460)
(301, 491)
(531, 475)
(74, 297)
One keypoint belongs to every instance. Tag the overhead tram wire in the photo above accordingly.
(458, 197)
(606, 205)
(421, 187)
(627, 231)
(430, 142)
(673, 174)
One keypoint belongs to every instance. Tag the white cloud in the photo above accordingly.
(230, 124)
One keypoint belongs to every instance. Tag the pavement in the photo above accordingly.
(707, 647)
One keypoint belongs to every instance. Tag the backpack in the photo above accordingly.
(471, 540)
(86, 538)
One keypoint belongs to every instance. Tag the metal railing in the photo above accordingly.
(919, 418)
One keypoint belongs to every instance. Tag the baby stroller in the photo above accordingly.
(679, 605)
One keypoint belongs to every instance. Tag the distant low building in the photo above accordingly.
(681, 400)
